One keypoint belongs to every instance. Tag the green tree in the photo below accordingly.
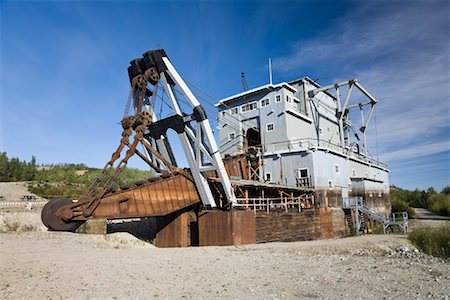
(446, 190)
(33, 161)
(4, 167)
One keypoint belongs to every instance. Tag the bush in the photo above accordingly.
(399, 205)
(440, 204)
(432, 241)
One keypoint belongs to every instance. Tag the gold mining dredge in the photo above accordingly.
(261, 190)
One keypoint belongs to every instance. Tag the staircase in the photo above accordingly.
(362, 210)
(349, 220)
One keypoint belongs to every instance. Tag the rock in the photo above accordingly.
(403, 249)
(93, 226)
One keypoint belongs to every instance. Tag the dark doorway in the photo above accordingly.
(253, 137)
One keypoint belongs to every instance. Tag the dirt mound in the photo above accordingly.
(21, 221)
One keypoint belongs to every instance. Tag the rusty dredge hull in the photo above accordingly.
(155, 197)
(216, 201)
(182, 220)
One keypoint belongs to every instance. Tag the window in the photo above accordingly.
(265, 102)
(302, 173)
(269, 127)
(288, 99)
(320, 131)
(354, 173)
(330, 184)
(278, 98)
(234, 110)
(231, 136)
(336, 169)
(249, 107)
(223, 114)
(268, 177)
(302, 178)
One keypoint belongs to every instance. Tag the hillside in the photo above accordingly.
(72, 180)
(60, 180)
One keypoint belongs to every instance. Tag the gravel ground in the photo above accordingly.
(37, 265)
(14, 191)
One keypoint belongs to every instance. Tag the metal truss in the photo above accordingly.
(343, 108)
(193, 129)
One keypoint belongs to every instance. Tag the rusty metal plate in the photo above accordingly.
(157, 198)
(221, 228)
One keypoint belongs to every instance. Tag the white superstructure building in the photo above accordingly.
(303, 136)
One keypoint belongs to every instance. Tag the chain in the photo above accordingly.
(126, 133)
(141, 121)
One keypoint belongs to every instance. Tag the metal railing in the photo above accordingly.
(350, 202)
(395, 219)
(284, 202)
(304, 182)
(314, 144)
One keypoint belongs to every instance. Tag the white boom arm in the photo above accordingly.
(199, 145)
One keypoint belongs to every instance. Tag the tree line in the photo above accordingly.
(437, 202)
(15, 170)
(61, 180)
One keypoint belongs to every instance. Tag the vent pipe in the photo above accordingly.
(270, 70)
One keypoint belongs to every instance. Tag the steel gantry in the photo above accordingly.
(343, 108)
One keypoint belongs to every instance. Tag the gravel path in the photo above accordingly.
(14, 191)
(37, 265)
(425, 218)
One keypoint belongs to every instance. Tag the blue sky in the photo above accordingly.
(64, 82)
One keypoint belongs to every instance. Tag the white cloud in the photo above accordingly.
(417, 151)
(401, 54)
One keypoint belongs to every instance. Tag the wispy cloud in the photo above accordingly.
(401, 54)
(416, 151)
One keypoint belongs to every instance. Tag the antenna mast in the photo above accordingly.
(244, 82)
(270, 70)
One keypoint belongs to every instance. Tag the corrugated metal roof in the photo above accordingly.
(255, 90)
(287, 85)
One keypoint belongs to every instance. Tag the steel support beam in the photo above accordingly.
(200, 181)
(314, 92)
(204, 141)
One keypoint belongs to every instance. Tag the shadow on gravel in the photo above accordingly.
(144, 229)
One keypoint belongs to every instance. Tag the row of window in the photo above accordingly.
(300, 174)
(249, 106)
(263, 103)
